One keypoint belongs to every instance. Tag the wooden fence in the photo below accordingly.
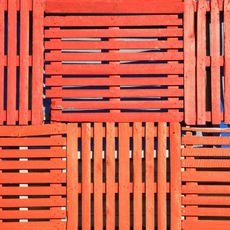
(139, 81)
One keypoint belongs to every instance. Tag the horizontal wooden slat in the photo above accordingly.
(9, 178)
(29, 141)
(205, 152)
(96, 81)
(114, 69)
(32, 214)
(119, 33)
(111, 20)
(206, 176)
(98, 45)
(206, 163)
(119, 117)
(140, 93)
(118, 7)
(35, 164)
(205, 224)
(56, 104)
(32, 153)
(118, 56)
(33, 202)
(197, 211)
(206, 200)
(206, 189)
(204, 140)
(54, 225)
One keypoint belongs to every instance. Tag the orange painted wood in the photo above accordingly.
(189, 63)
(110, 176)
(161, 176)
(226, 61)
(137, 175)
(98, 176)
(215, 65)
(201, 62)
(86, 176)
(11, 73)
(72, 177)
(175, 175)
(37, 71)
(124, 177)
(149, 176)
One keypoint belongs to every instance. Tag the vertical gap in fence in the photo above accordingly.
(215, 62)
(2, 60)
(227, 61)
(86, 176)
(137, 175)
(24, 63)
(189, 63)
(98, 176)
(149, 176)
(72, 177)
(161, 176)
(11, 61)
(124, 176)
(175, 175)
(201, 62)
(37, 62)
(110, 176)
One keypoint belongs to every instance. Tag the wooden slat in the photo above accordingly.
(204, 140)
(189, 63)
(206, 200)
(161, 176)
(86, 175)
(37, 70)
(215, 64)
(98, 174)
(137, 175)
(190, 211)
(206, 163)
(201, 62)
(124, 177)
(118, 7)
(220, 152)
(206, 189)
(202, 224)
(110, 176)
(149, 176)
(226, 61)
(111, 20)
(175, 175)
(24, 63)
(11, 71)
(72, 177)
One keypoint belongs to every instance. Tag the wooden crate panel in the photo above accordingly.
(105, 66)
(128, 176)
(33, 181)
(205, 178)
(206, 58)
(21, 62)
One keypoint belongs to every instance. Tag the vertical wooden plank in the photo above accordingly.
(227, 61)
(175, 175)
(37, 68)
(72, 177)
(137, 175)
(189, 63)
(161, 176)
(201, 62)
(11, 62)
(110, 176)
(24, 62)
(149, 175)
(215, 62)
(98, 176)
(2, 40)
(86, 176)
(124, 177)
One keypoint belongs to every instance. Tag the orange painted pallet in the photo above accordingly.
(102, 65)
(21, 62)
(205, 178)
(36, 167)
(206, 61)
